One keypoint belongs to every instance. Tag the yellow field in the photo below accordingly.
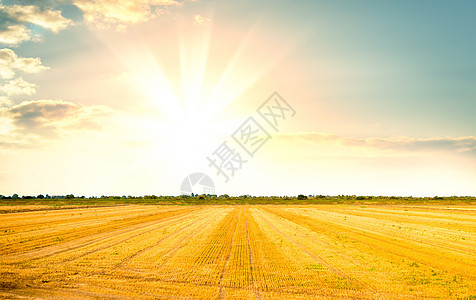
(333, 251)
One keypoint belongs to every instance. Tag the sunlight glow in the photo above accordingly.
(187, 93)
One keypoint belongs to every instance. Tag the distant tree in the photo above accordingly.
(302, 197)
(40, 196)
(70, 196)
(15, 196)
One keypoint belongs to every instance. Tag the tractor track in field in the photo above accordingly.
(174, 234)
(321, 260)
(376, 241)
(314, 256)
(55, 208)
(87, 240)
(366, 231)
(171, 252)
(252, 262)
(97, 230)
(221, 294)
(160, 225)
(211, 285)
(113, 215)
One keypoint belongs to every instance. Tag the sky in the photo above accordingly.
(102, 97)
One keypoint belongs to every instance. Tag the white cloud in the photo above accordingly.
(106, 14)
(53, 118)
(10, 63)
(48, 19)
(15, 34)
(201, 20)
(39, 123)
(5, 102)
(18, 86)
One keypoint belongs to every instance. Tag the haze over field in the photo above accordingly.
(129, 98)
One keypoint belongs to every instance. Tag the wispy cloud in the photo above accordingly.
(118, 15)
(49, 118)
(15, 34)
(465, 144)
(46, 18)
(5, 102)
(18, 86)
(10, 63)
(13, 20)
(201, 20)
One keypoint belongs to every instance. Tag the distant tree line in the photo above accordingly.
(16, 196)
(211, 199)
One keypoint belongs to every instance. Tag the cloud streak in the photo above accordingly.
(201, 20)
(13, 18)
(10, 63)
(107, 14)
(50, 118)
(399, 144)
(5, 102)
(18, 86)
(15, 34)
(46, 18)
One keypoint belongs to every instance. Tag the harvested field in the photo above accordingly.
(240, 251)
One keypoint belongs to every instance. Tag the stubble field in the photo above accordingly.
(240, 251)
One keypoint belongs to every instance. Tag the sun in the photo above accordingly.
(187, 98)
(191, 130)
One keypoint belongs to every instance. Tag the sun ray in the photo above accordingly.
(188, 119)
(193, 66)
(144, 71)
(217, 101)
(227, 90)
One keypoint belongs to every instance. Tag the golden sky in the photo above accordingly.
(103, 97)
